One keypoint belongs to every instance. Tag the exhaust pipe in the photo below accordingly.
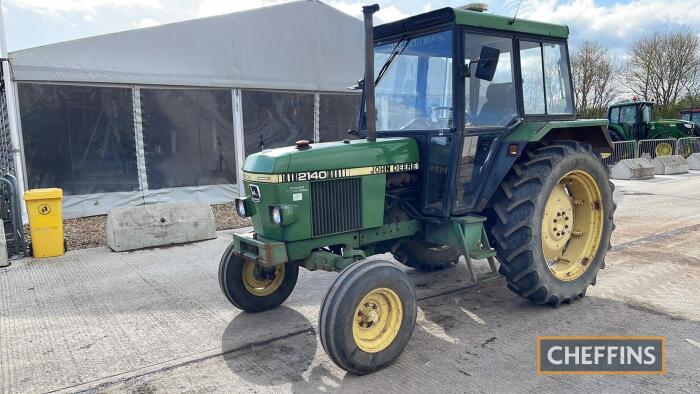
(370, 109)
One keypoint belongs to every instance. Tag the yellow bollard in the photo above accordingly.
(45, 221)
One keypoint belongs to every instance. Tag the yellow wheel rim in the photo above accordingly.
(663, 149)
(260, 283)
(572, 225)
(377, 320)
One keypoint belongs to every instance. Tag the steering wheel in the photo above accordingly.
(439, 108)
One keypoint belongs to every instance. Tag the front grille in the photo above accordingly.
(336, 206)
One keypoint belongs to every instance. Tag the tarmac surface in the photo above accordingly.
(155, 320)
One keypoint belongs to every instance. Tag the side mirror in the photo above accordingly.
(486, 65)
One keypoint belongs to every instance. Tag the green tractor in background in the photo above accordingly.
(469, 146)
(632, 120)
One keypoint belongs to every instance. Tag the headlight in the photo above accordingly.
(283, 214)
(241, 208)
(276, 215)
(688, 125)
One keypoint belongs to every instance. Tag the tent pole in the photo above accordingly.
(239, 137)
(11, 102)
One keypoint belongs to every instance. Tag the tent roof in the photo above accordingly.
(304, 45)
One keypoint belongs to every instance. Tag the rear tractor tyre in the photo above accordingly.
(551, 222)
(367, 317)
(426, 256)
(252, 287)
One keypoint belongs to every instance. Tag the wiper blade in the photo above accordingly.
(389, 60)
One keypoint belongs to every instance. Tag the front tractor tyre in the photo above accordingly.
(252, 287)
(551, 222)
(367, 317)
(425, 256)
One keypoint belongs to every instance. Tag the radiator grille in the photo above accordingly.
(336, 206)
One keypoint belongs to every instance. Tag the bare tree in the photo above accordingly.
(595, 76)
(665, 67)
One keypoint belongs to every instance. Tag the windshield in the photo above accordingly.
(692, 117)
(415, 92)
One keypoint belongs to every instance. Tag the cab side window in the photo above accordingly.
(533, 79)
(557, 80)
(546, 81)
(615, 115)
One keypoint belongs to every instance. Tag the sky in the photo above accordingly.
(30, 23)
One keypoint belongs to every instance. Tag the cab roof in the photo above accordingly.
(462, 17)
(630, 102)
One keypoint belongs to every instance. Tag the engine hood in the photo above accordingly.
(333, 156)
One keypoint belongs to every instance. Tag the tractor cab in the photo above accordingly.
(691, 115)
(459, 82)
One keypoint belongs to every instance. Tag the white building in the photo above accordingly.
(168, 113)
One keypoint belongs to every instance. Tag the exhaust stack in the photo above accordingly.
(370, 109)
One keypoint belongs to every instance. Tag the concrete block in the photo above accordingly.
(159, 224)
(632, 169)
(668, 165)
(693, 161)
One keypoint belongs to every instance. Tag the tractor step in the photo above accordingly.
(487, 276)
(467, 235)
(481, 254)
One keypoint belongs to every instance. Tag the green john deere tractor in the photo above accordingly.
(470, 147)
(631, 120)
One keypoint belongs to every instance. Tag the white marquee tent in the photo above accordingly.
(168, 113)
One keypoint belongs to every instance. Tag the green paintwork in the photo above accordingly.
(498, 22)
(670, 128)
(281, 193)
(535, 131)
(322, 156)
(373, 200)
(333, 155)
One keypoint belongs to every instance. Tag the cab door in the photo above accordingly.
(489, 104)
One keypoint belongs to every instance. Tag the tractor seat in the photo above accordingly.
(500, 102)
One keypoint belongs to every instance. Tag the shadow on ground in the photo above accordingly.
(480, 339)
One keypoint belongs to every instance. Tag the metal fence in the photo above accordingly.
(621, 150)
(687, 146)
(651, 148)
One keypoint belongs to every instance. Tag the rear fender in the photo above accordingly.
(596, 136)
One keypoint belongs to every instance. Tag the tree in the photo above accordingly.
(594, 71)
(665, 67)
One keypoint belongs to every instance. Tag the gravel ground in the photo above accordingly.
(91, 232)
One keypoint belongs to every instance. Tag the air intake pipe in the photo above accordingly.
(370, 109)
